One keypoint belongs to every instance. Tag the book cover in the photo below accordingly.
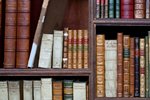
(57, 90)
(139, 9)
(68, 90)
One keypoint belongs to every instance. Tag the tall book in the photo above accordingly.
(37, 90)
(79, 91)
(142, 67)
(146, 66)
(14, 90)
(65, 48)
(119, 64)
(46, 51)
(1, 36)
(57, 49)
(27, 90)
(46, 89)
(111, 10)
(147, 9)
(149, 62)
(23, 33)
(74, 49)
(102, 8)
(132, 67)
(139, 9)
(10, 33)
(97, 8)
(3, 90)
(106, 9)
(57, 90)
(68, 90)
(37, 34)
(111, 68)
(117, 9)
(70, 47)
(126, 65)
(127, 9)
(137, 69)
(100, 65)
(80, 49)
(85, 49)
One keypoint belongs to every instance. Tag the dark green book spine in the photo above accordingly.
(117, 8)
(68, 89)
(146, 63)
(111, 9)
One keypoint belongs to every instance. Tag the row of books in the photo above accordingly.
(123, 9)
(44, 89)
(122, 66)
(66, 49)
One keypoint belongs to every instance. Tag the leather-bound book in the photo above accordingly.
(80, 49)
(3, 90)
(119, 64)
(1, 37)
(111, 10)
(106, 9)
(23, 33)
(137, 69)
(74, 49)
(146, 66)
(148, 63)
(70, 46)
(14, 90)
(85, 49)
(139, 9)
(102, 8)
(57, 90)
(147, 9)
(68, 90)
(111, 68)
(97, 8)
(65, 48)
(127, 10)
(117, 9)
(132, 67)
(10, 33)
(100, 66)
(142, 67)
(126, 65)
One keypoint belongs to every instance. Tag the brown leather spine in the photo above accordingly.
(23, 31)
(23, 19)
(85, 49)
(74, 49)
(24, 5)
(65, 48)
(11, 5)
(70, 45)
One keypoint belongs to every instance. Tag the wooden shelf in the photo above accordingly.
(122, 22)
(45, 72)
(122, 99)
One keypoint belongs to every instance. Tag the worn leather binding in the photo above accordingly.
(57, 90)
(74, 49)
(85, 49)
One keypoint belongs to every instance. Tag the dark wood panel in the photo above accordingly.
(44, 72)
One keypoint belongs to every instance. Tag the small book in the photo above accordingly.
(57, 90)
(68, 89)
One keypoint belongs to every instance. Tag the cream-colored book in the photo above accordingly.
(37, 90)
(14, 90)
(3, 90)
(79, 91)
(27, 90)
(57, 49)
(46, 51)
(46, 89)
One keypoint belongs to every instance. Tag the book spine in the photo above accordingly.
(10, 33)
(149, 63)
(3, 90)
(27, 90)
(111, 10)
(102, 9)
(79, 90)
(117, 9)
(57, 90)
(46, 51)
(137, 69)
(142, 67)
(146, 65)
(23, 33)
(111, 68)
(57, 49)
(37, 35)
(100, 65)
(36, 90)
(65, 48)
(1, 36)
(126, 65)
(106, 9)
(120, 64)
(70, 46)
(97, 8)
(68, 90)
(132, 67)
(74, 50)
(80, 49)
(139, 9)
(85, 49)
(14, 90)
(46, 89)
(147, 9)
